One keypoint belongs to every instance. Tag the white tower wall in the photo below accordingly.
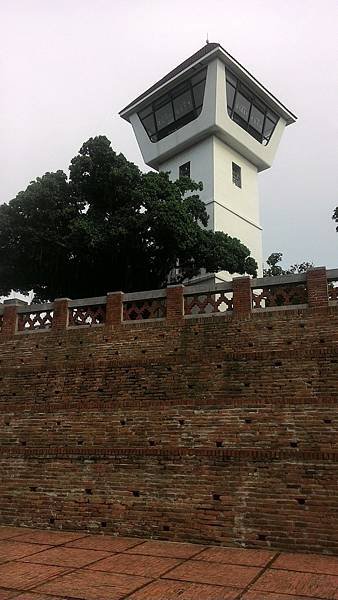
(231, 209)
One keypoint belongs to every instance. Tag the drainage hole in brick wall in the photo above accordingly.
(103, 524)
(219, 366)
(136, 493)
(301, 501)
(89, 491)
(322, 341)
(302, 325)
(14, 394)
(327, 421)
(122, 422)
(32, 488)
(151, 443)
(51, 520)
(23, 443)
(278, 363)
(36, 345)
(216, 497)
(79, 442)
(219, 444)
(294, 444)
(100, 390)
(269, 327)
(181, 421)
(248, 420)
(250, 344)
(165, 527)
(261, 537)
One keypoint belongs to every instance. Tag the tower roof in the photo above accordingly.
(208, 52)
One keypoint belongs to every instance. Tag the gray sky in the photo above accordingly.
(68, 66)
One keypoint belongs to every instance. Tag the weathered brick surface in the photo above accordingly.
(227, 429)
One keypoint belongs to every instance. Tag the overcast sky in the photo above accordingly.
(68, 66)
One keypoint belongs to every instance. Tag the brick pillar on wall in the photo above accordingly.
(242, 296)
(114, 309)
(175, 304)
(61, 314)
(317, 287)
(10, 317)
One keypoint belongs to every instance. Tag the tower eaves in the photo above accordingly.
(203, 56)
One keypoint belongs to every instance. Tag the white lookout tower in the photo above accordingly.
(213, 121)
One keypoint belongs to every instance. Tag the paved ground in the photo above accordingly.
(51, 565)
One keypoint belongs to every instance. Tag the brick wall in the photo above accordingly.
(217, 429)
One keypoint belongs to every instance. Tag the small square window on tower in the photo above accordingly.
(184, 170)
(236, 175)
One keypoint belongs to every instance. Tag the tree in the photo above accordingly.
(109, 227)
(335, 216)
(274, 269)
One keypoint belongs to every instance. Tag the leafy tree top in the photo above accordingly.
(109, 227)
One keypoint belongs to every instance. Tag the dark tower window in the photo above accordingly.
(236, 175)
(182, 104)
(184, 170)
(248, 111)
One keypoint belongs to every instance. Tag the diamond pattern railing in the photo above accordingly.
(31, 321)
(208, 303)
(140, 310)
(87, 315)
(283, 295)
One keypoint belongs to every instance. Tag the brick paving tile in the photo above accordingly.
(132, 564)
(93, 585)
(32, 596)
(7, 594)
(303, 584)
(11, 550)
(8, 532)
(181, 590)
(23, 576)
(169, 549)
(53, 538)
(268, 596)
(66, 557)
(237, 556)
(214, 573)
(105, 542)
(311, 563)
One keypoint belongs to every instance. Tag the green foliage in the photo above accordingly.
(109, 227)
(335, 216)
(274, 269)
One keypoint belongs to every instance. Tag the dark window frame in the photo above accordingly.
(256, 102)
(184, 167)
(168, 99)
(237, 175)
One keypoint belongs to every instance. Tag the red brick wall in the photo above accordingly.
(222, 429)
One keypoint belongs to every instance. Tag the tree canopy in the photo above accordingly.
(274, 268)
(335, 216)
(107, 227)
